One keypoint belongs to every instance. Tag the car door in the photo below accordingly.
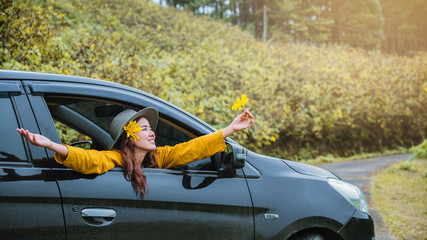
(192, 203)
(30, 203)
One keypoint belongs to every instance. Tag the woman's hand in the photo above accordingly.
(242, 121)
(35, 139)
(42, 141)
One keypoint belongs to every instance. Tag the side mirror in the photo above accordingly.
(234, 157)
(85, 144)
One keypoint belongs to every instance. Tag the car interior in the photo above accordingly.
(91, 119)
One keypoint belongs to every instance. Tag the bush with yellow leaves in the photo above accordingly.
(307, 100)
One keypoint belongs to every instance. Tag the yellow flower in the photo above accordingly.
(159, 26)
(236, 106)
(273, 139)
(425, 89)
(240, 102)
(131, 129)
(243, 101)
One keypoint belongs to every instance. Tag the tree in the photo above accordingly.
(244, 13)
(300, 20)
(359, 23)
(405, 25)
(258, 6)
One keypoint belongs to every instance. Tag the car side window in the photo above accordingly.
(12, 149)
(170, 134)
(85, 123)
(70, 136)
(76, 118)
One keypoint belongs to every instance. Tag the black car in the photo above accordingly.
(237, 194)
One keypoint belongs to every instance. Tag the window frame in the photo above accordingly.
(178, 118)
(35, 156)
(122, 94)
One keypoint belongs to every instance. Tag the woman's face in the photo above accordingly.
(147, 137)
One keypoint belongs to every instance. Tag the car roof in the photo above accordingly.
(26, 75)
(41, 76)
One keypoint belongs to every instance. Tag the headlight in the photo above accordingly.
(351, 193)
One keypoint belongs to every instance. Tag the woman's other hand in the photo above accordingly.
(42, 141)
(35, 139)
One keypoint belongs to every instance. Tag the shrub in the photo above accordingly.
(420, 151)
(314, 100)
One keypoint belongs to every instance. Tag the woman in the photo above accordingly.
(134, 147)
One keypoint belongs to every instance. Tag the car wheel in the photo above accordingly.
(308, 236)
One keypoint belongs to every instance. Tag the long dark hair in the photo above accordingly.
(131, 168)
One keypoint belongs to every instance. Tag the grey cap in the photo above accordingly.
(123, 118)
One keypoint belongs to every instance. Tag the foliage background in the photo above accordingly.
(314, 100)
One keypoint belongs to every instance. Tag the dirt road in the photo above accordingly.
(361, 173)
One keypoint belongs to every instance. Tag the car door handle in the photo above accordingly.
(98, 216)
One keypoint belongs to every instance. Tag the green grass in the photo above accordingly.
(330, 158)
(400, 196)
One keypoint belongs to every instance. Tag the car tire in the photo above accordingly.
(308, 236)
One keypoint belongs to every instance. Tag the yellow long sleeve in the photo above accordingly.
(193, 150)
(99, 162)
(90, 161)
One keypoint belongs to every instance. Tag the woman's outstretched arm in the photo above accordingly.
(203, 146)
(78, 159)
(42, 141)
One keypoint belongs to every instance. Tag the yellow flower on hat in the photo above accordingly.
(131, 129)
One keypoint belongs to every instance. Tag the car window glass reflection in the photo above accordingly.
(12, 149)
(167, 134)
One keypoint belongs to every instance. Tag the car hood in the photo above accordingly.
(309, 170)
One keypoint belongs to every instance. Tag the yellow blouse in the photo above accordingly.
(99, 162)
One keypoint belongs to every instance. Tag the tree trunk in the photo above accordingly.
(257, 6)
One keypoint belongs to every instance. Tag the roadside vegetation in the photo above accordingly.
(323, 101)
(331, 158)
(400, 196)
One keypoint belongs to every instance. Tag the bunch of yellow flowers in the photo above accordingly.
(240, 102)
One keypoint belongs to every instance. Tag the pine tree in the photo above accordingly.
(405, 25)
(300, 20)
(359, 23)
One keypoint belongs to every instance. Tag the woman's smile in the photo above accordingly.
(147, 138)
(152, 141)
